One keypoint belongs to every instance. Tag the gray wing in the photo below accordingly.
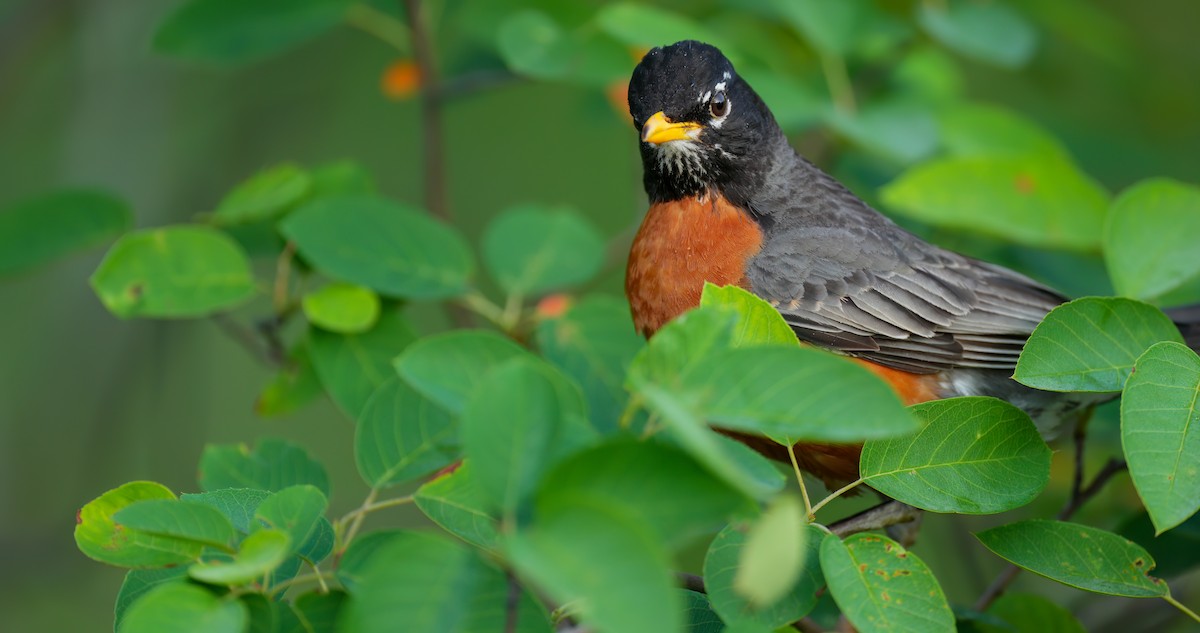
(865, 287)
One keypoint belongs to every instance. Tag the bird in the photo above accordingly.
(731, 202)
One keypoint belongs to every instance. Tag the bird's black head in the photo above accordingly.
(702, 127)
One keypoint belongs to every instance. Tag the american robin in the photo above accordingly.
(732, 203)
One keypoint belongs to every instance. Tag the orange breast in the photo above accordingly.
(680, 246)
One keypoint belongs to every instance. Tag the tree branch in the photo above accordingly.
(1080, 495)
(881, 516)
(432, 141)
(691, 582)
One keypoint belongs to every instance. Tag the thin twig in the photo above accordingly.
(283, 270)
(477, 81)
(1079, 495)
(244, 337)
(691, 582)
(431, 113)
(881, 516)
(807, 625)
(379, 24)
(808, 511)
(357, 518)
(270, 328)
(1178, 605)
(835, 494)
(511, 603)
(433, 144)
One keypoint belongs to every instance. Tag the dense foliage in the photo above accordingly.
(564, 462)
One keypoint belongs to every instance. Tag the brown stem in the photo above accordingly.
(431, 113)
(245, 337)
(432, 141)
(881, 516)
(690, 582)
(511, 604)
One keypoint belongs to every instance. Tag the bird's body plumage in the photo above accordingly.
(732, 202)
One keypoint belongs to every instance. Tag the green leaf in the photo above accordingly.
(594, 343)
(512, 428)
(975, 455)
(676, 496)
(319, 611)
(266, 195)
(177, 271)
(139, 582)
(832, 27)
(880, 586)
(184, 608)
(435, 585)
(899, 130)
(1029, 612)
(342, 307)
(1077, 555)
(230, 32)
(1176, 551)
(758, 322)
(533, 44)
(454, 502)
(295, 510)
(182, 520)
(39, 230)
(700, 615)
(719, 454)
(273, 465)
(531, 249)
(1090, 344)
(293, 386)
(604, 561)
(353, 366)
(1151, 236)
(361, 554)
(1160, 432)
(266, 616)
(750, 463)
(236, 504)
(1036, 201)
(931, 75)
(101, 539)
(772, 556)
(976, 130)
(794, 393)
(446, 367)
(402, 435)
(319, 544)
(645, 26)
(989, 32)
(341, 177)
(259, 554)
(722, 565)
(680, 344)
(391, 248)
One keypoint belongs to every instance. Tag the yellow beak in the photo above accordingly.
(659, 130)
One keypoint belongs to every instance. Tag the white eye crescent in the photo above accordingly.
(719, 105)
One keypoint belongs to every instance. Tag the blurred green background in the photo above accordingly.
(88, 402)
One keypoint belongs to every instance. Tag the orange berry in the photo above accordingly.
(553, 306)
(400, 80)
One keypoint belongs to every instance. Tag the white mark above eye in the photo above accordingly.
(721, 86)
(705, 97)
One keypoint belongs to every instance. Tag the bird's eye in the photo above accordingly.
(719, 106)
